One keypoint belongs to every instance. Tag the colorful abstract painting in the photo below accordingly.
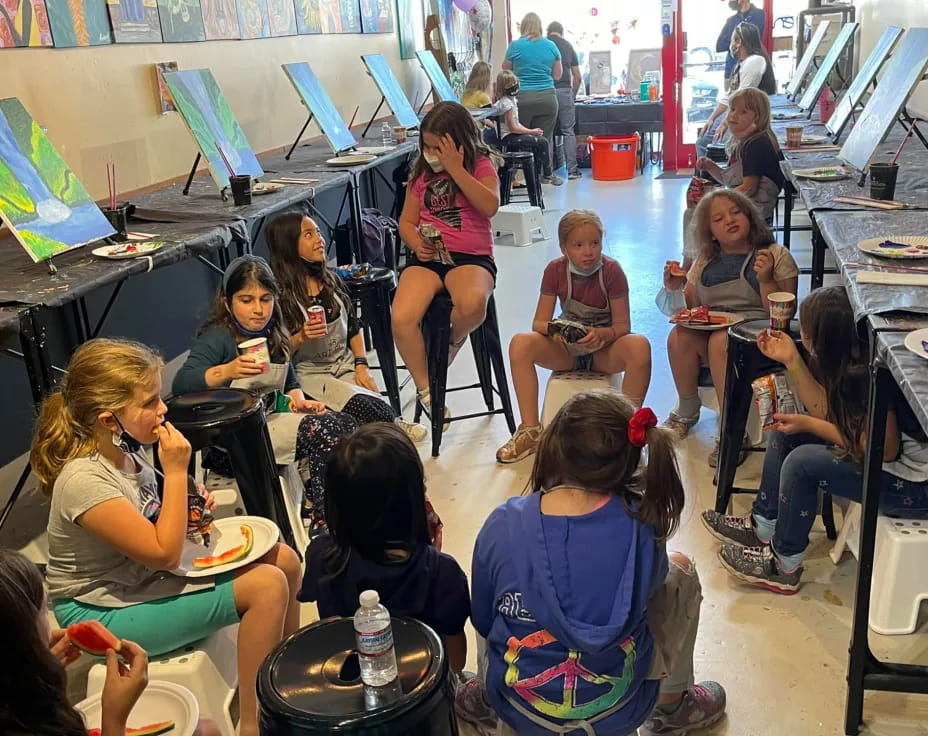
(165, 101)
(252, 18)
(410, 27)
(340, 16)
(79, 23)
(376, 16)
(134, 21)
(281, 17)
(212, 124)
(319, 103)
(24, 23)
(41, 199)
(181, 20)
(308, 17)
(220, 19)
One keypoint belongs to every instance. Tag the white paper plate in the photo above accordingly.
(119, 251)
(916, 246)
(822, 173)
(352, 159)
(227, 534)
(161, 701)
(261, 187)
(914, 340)
(732, 318)
(373, 150)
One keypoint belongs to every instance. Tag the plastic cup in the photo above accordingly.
(781, 309)
(241, 189)
(257, 349)
(794, 136)
(883, 180)
(119, 219)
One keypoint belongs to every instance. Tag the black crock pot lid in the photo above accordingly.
(211, 407)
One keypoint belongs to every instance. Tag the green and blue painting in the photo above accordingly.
(79, 23)
(41, 199)
(212, 124)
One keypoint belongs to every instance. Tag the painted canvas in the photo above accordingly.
(41, 200)
(252, 18)
(319, 103)
(377, 16)
(134, 21)
(165, 101)
(410, 26)
(340, 16)
(24, 23)
(79, 23)
(181, 21)
(220, 19)
(282, 17)
(308, 17)
(389, 87)
(212, 124)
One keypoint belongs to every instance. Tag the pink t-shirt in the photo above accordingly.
(441, 204)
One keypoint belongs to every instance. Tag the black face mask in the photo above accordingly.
(125, 441)
(734, 4)
(513, 91)
(314, 268)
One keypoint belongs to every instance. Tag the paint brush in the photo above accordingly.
(905, 138)
(358, 107)
(225, 160)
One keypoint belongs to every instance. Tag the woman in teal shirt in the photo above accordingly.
(536, 61)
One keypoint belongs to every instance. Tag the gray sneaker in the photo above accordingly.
(759, 566)
(553, 179)
(574, 175)
(728, 529)
(702, 705)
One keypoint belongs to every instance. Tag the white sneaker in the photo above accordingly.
(426, 400)
(415, 432)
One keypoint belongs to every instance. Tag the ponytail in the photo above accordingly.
(58, 439)
(662, 500)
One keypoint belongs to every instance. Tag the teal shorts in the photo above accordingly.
(164, 625)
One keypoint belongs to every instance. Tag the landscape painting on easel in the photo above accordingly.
(134, 21)
(24, 23)
(212, 124)
(252, 18)
(308, 17)
(220, 19)
(41, 199)
(181, 21)
(79, 23)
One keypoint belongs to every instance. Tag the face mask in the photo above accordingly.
(314, 268)
(513, 91)
(733, 50)
(588, 272)
(734, 4)
(434, 162)
(125, 441)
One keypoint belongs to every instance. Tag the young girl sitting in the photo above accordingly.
(329, 359)
(738, 267)
(454, 188)
(110, 536)
(593, 291)
(379, 539)
(514, 135)
(476, 92)
(754, 154)
(589, 624)
(822, 449)
(247, 306)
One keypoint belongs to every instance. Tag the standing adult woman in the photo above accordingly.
(536, 61)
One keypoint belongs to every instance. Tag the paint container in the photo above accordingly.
(794, 136)
(883, 180)
(119, 219)
(257, 349)
(399, 134)
(241, 189)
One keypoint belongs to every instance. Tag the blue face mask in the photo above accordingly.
(584, 272)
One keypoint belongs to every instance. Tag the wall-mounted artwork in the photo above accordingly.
(41, 199)
(252, 19)
(282, 18)
(220, 19)
(181, 21)
(79, 23)
(308, 17)
(24, 23)
(410, 27)
(377, 16)
(340, 16)
(212, 124)
(134, 21)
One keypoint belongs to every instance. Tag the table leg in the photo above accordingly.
(354, 202)
(818, 256)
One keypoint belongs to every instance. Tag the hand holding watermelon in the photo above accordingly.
(124, 684)
(63, 649)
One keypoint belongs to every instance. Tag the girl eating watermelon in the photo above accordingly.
(110, 536)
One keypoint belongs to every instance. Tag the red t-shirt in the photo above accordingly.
(441, 204)
(585, 289)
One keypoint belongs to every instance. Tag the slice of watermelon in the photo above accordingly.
(151, 730)
(93, 637)
(231, 555)
(676, 270)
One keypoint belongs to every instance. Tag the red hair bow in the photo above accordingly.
(638, 426)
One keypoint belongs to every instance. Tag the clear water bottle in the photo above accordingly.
(386, 133)
(375, 641)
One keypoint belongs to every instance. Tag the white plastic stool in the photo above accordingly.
(291, 485)
(753, 428)
(208, 669)
(564, 384)
(899, 580)
(521, 221)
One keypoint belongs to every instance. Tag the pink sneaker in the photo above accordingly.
(702, 705)
(470, 704)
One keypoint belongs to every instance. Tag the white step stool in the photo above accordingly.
(521, 221)
(564, 384)
(208, 669)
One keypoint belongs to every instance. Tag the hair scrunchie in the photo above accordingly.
(642, 420)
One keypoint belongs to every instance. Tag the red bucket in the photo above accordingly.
(614, 156)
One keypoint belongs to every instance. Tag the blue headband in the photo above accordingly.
(236, 264)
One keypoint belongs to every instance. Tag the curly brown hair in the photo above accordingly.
(759, 233)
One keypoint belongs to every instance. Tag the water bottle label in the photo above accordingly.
(375, 643)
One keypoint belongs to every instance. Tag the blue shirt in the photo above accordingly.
(754, 16)
(532, 61)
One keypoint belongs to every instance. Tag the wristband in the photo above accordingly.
(360, 360)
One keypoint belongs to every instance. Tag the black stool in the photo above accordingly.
(745, 364)
(311, 684)
(233, 419)
(524, 160)
(373, 292)
(488, 353)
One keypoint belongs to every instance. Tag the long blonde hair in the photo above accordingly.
(530, 26)
(102, 376)
(757, 102)
(504, 80)
(759, 234)
(480, 77)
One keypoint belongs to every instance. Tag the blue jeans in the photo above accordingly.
(796, 468)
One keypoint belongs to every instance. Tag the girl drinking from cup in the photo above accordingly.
(111, 537)
(247, 308)
(737, 269)
(453, 188)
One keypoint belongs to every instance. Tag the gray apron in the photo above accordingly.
(733, 296)
(578, 312)
(766, 196)
(281, 426)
